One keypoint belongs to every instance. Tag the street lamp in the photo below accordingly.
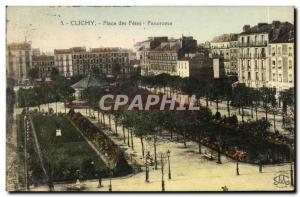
(219, 150)
(99, 180)
(110, 172)
(147, 166)
(162, 173)
(168, 154)
(78, 175)
(110, 186)
(291, 170)
(237, 161)
(260, 164)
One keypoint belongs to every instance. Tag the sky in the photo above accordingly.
(50, 28)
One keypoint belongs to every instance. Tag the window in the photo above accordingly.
(263, 54)
(290, 78)
(280, 78)
(290, 64)
(279, 51)
(279, 64)
(262, 38)
(273, 51)
(256, 76)
(290, 51)
(274, 77)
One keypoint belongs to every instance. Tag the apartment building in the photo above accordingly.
(109, 61)
(225, 48)
(281, 60)
(18, 60)
(255, 64)
(160, 54)
(63, 60)
(44, 64)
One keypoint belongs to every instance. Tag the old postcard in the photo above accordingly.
(150, 99)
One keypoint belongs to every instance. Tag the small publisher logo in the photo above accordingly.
(282, 180)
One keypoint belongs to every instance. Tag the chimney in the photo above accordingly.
(246, 28)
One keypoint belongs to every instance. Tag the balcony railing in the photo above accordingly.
(253, 56)
(253, 44)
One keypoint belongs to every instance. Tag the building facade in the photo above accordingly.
(160, 61)
(18, 61)
(160, 54)
(63, 60)
(253, 60)
(225, 47)
(44, 64)
(265, 53)
(109, 61)
(183, 68)
(198, 66)
(281, 56)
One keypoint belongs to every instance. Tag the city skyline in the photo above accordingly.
(56, 24)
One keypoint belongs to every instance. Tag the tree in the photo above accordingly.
(286, 97)
(33, 73)
(202, 124)
(241, 97)
(142, 126)
(128, 122)
(274, 110)
(116, 69)
(170, 120)
(117, 118)
(227, 89)
(156, 121)
(256, 98)
(267, 97)
(54, 73)
(185, 123)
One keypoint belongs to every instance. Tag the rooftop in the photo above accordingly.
(43, 58)
(225, 38)
(167, 47)
(70, 50)
(278, 31)
(92, 80)
(18, 46)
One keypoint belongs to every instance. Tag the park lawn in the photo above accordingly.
(65, 155)
(35, 171)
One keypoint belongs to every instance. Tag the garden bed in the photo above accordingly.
(68, 156)
(103, 143)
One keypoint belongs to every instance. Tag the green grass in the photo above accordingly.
(65, 154)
